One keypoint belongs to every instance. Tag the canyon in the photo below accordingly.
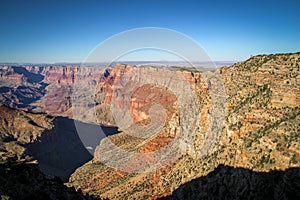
(213, 122)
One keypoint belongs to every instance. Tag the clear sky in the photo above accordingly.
(66, 31)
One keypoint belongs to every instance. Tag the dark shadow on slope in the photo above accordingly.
(31, 89)
(61, 150)
(238, 183)
(22, 96)
(4, 89)
(91, 134)
(31, 77)
(23, 180)
(28, 95)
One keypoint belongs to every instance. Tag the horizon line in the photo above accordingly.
(117, 62)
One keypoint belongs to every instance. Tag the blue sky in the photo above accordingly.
(67, 31)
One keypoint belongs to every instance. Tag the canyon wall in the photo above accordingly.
(260, 132)
(248, 117)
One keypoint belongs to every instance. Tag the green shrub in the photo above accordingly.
(5, 197)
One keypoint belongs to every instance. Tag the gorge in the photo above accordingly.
(53, 113)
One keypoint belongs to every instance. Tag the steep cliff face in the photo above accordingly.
(263, 111)
(261, 130)
(45, 88)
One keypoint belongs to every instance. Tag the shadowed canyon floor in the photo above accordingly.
(53, 141)
(61, 150)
